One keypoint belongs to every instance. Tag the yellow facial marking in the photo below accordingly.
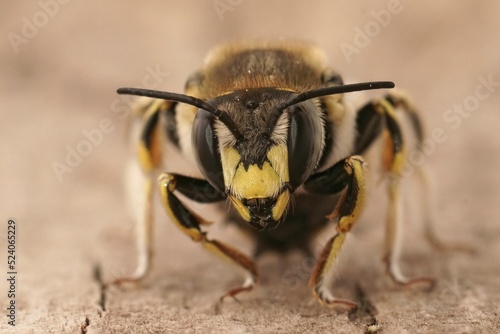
(278, 156)
(230, 159)
(243, 210)
(281, 205)
(255, 182)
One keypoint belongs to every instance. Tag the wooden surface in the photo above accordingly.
(77, 232)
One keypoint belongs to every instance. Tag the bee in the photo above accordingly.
(270, 132)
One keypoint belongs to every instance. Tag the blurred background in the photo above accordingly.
(63, 149)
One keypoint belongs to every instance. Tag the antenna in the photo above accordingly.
(191, 100)
(324, 91)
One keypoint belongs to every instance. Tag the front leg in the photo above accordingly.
(346, 175)
(189, 223)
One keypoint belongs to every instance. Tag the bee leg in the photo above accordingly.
(393, 161)
(149, 159)
(370, 122)
(392, 248)
(399, 100)
(189, 223)
(369, 125)
(346, 175)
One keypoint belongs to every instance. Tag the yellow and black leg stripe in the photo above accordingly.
(347, 176)
(149, 148)
(378, 118)
(189, 223)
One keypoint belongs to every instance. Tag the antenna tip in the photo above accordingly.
(382, 84)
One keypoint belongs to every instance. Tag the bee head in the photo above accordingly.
(259, 164)
(258, 145)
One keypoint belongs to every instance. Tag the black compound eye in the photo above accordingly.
(305, 139)
(206, 151)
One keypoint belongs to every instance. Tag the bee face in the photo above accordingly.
(266, 160)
